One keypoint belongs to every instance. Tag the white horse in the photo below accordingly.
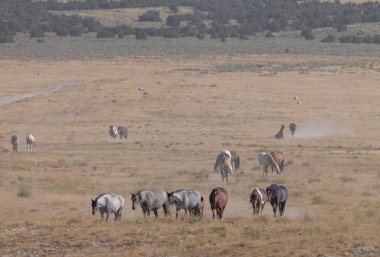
(108, 203)
(266, 160)
(113, 132)
(189, 200)
(30, 142)
(150, 201)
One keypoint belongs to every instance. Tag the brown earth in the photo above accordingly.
(189, 110)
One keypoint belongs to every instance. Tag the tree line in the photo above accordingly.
(219, 19)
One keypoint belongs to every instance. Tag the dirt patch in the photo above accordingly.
(46, 91)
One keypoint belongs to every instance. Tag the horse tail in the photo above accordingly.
(237, 163)
(213, 198)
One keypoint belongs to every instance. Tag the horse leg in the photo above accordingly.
(155, 212)
(262, 208)
(166, 211)
(213, 213)
(220, 214)
(282, 208)
(274, 209)
(176, 214)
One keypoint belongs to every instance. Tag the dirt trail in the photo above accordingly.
(46, 91)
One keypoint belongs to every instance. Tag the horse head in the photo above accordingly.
(270, 192)
(171, 198)
(94, 206)
(135, 200)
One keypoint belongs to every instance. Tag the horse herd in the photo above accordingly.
(189, 200)
(227, 161)
(30, 142)
(114, 131)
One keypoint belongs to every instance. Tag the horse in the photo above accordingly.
(189, 200)
(113, 132)
(279, 158)
(30, 142)
(277, 196)
(108, 203)
(258, 199)
(225, 168)
(150, 201)
(292, 128)
(218, 200)
(123, 132)
(220, 157)
(14, 142)
(235, 159)
(280, 134)
(199, 211)
(266, 160)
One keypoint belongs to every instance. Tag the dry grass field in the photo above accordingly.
(190, 109)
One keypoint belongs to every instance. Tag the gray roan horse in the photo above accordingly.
(150, 201)
(218, 200)
(266, 160)
(258, 199)
(190, 200)
(235, 159)
(277, 196)
(113, 132)
(108, 203)
(14, 142)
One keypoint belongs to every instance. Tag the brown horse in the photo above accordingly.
(218, 201)
(292, 128)
(258, 200)
(279, 158)
(225, 168)
(235, 160)
(280, 134)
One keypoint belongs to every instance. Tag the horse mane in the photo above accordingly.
(274, 162)
(96, 199)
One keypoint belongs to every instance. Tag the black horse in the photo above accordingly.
(277, 196)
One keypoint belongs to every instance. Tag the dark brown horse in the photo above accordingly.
(218, 201)
(123, 132)
(258, 200)
(292, 128)
(280, 134)
(279, 158)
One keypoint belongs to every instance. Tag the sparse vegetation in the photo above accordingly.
(24, 191)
